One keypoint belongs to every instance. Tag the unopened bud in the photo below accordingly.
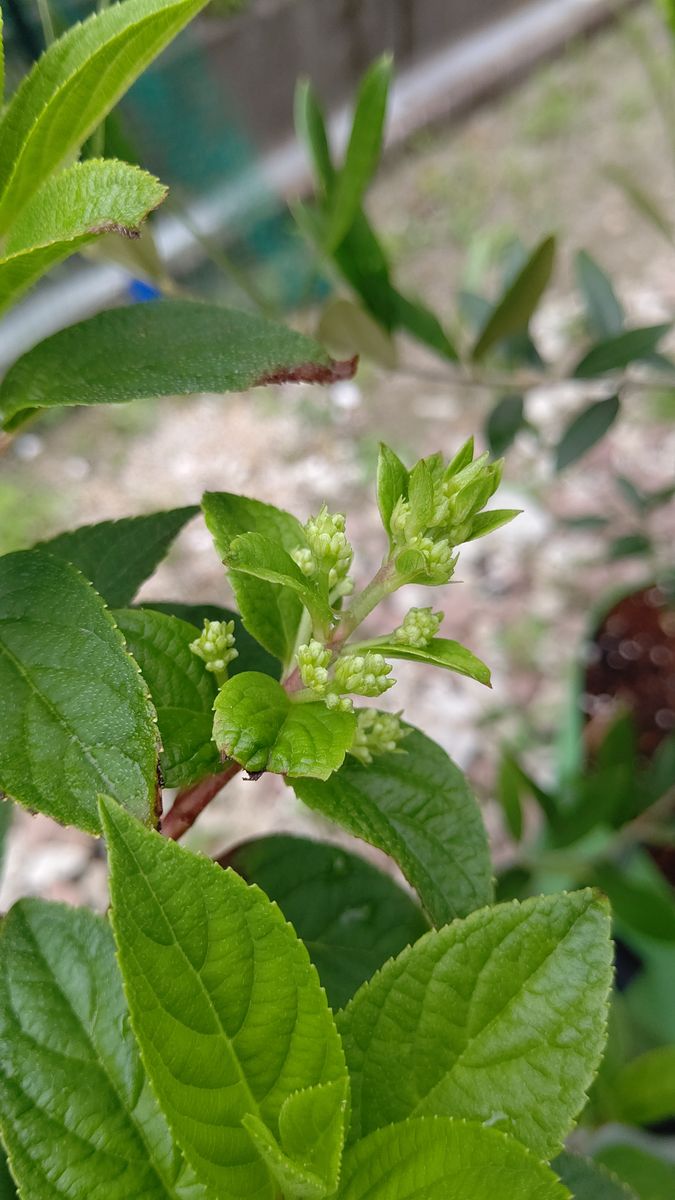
(215, 646)
(419, 626)
(376, 733)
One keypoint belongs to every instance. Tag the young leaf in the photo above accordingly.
(493, 518)
(118, 556)
(504, 423)
(311, 127)
(77, 1115)
(271, 613)
(75, 716)
(392, 483)
(650, 1177)
(258, 725)
(498, 1018)
(433, 1158)
(263, 558)
(226, 1006)
(614, 353)
(589, 1180)
(418, 808)
(350, 916)
(251, 655)
(74, 86)
(644, 1089)
(586, 430)
(120, 356)
(604, 313)
(441, 652)
(363, 152)
(70, 210)
(511, 315)
(182, 691)
(306, 1160)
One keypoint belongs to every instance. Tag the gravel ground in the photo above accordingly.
(528, 163)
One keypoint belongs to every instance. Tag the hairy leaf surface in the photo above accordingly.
(77, 1115)
(498, 1018)
(351, 917)
(226, 1006)
(417, 807)
(75, 715)
(259, 726)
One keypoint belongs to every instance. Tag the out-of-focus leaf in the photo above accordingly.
(642, 200)
(504, 423)
(509, 784)
(311, 127)
(512, 313)
(586, 430)
(651, 1178)
(614, 353)
(589, 1180)
(604, 313)
(641, 907)
(644, 1089)
(346, 328)
(629, 544)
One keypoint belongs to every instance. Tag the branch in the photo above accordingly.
(189, 804)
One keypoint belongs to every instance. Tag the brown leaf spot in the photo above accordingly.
(311, 372)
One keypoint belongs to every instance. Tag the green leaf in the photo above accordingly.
(2, 64)
(392, 483)
(225, 1004)
(651, 1178)
(416, 319)
(311, 1131)
(118, 556)
(499, 1018)
(615, 353)
(263, 558)
(417, 807)
(350, 916)
(259, 726)
(509, 785)
(518, 303)
(120, 355)
(182, 691)
(77, 1114)
(636, 904)
(604, 314)
(589, 1180)
(586, 430)
(71, 210)
(310, 126)
(644, 1089)
(643, 201)
(504, 423)
(6, 814)
(346, 328)
(627, 545)
(440, 652)
(74, 86)
(434, 1158)
(7, 1187)
(363, 152)
(75, 716)
(271, 613)
(493, 518)
(251, 657)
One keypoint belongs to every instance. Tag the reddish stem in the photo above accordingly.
(189, 804)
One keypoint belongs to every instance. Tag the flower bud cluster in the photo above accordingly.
(363, 674)
(419, 626)
(376, 733)
(313, 662)
(439, 512)
(328, 552)
(215, 646)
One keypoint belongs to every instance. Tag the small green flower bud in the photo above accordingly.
(363, 674)
(339, 703)
(305, 560)
(399, 520)
(313, 662)
(441, 561)
(215, 646)
(328, 544)
(376, 733)
(419, 626)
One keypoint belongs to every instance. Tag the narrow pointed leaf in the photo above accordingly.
(604, 313)
(71, 210)
(77, 1115)
(417, 807)
(504, 424)
(271, 613)
(588, 1180)
(493, 518)
(615, 353)
(350, 916)
(438, 1159)
(182, 691)
(75, 715)
(512, 313)
(74, 86)
(363, 152)
(642, 200)
(586, 430)
(226, 1006)
(263, 558)
(258, 725)
(118, 556)
(441, 652)
(499, 1018)
(392, 483)
(310, 125)
(120, 355)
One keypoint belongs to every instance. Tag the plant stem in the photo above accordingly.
(191, 802)
(385, 581)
